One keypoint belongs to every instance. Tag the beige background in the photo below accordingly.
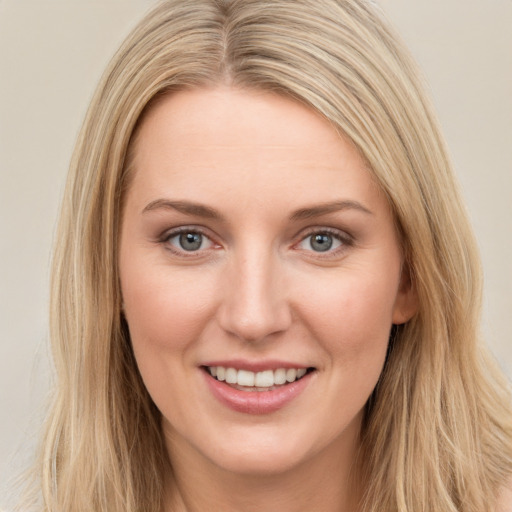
(51, 55)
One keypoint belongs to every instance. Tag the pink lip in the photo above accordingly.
(254, 366)
(255, 402)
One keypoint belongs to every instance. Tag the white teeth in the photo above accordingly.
(245, 378)
(291, 374)
(265, 379)
(231, 376)
(280, 376)
(301, 372)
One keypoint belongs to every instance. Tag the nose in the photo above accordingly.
(254, 305)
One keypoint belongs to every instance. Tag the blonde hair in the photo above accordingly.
(438, 431)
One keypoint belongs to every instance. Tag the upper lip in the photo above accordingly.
(255, 366)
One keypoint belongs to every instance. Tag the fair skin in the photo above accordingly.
(254, 238)
(505, 498)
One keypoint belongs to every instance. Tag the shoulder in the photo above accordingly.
(505, 498)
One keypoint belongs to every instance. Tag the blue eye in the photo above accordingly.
(190, 241)
(320, 242)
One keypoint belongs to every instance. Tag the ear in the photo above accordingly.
(406, 302)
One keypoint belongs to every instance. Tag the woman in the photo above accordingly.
(265, 289)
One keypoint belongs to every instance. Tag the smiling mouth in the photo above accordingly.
(267, 380)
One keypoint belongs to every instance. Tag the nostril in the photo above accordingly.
(254, 320)
(253, 304)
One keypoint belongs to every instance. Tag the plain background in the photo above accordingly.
(52, 53)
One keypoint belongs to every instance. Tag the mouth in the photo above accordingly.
(249, 381)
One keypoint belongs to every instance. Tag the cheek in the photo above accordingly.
(351, 314)
(165, 309)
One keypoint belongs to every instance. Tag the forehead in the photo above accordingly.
(239, 108)
(252, 143)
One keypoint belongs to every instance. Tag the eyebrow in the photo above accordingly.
(326, 208)
(186, 207)
(200, 210)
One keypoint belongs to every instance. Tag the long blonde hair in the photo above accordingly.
(438, 430)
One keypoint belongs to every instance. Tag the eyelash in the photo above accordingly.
(343, 238)
(165, 239)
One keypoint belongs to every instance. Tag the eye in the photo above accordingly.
(189, 241)
(321, 241)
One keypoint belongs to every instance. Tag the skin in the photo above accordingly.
(505, 498)
(257, 289)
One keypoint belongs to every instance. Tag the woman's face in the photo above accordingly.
(261, 274)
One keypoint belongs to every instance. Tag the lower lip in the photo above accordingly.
(256, 402)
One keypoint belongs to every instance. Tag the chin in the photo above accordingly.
(259, 462)
(261, 452)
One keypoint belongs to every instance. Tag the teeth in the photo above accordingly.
(280, 376)
(245, 378)
(291, 374)
(231, 376)
(264, 379)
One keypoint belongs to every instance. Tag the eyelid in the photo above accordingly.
(173, 232)
(346, 240)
